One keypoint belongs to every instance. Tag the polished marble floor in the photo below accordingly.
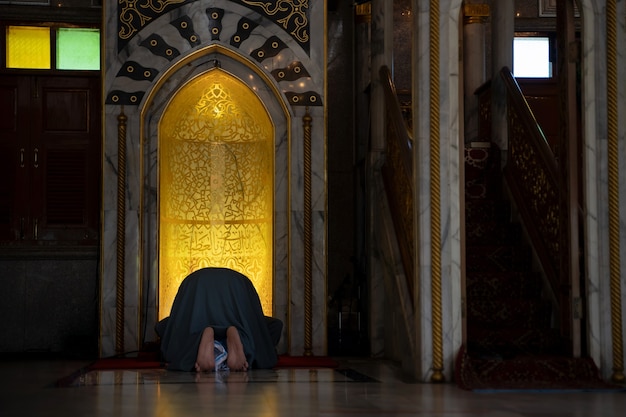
(359, 387)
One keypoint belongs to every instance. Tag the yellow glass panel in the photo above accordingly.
(28, 47)
(216, 194)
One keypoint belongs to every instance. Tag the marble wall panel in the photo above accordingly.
(449, 193)
(595, 87)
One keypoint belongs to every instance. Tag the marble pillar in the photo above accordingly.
(451, 146)
(503, 30)
(595, 173)
(475, 19)
(380, 53)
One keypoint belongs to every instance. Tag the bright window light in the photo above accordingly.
(78, 49)
(531, 57)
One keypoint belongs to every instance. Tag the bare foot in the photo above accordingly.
(236, 358)
(205, 361)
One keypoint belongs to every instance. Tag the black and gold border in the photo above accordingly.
(292, 16)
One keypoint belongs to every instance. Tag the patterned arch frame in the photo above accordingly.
(273, 34)
(195, 65)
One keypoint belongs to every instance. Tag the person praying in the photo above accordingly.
(217, 323)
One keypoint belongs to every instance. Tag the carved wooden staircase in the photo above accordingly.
(518, 320)
(514, 315)
(507, 313)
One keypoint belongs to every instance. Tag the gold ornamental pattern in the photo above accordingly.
(290, 15)
(216, 185)
(539, 193)
(135, 14)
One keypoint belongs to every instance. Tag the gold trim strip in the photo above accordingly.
(363, 12)
(476, 10)
(475, 13)
(121, 231)
(364, 9)
(308, 238)
(613, 174)
(471, 20)
(435, 196)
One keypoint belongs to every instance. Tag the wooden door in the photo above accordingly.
(51, 152)
(14, 134)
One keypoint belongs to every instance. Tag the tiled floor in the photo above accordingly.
(365, 388)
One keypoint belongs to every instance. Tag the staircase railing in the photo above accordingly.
(397, 172)
(531, 173)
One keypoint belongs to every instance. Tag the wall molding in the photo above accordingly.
(547, 8)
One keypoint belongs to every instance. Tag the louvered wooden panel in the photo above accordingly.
(49, 159)
(65, 110)
(8, 109)
(9, 153)
(7, 127)
(66, 187)
(6, 185)
(67, 137)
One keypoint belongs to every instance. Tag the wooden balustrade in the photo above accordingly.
(532, 175)
(397, 172)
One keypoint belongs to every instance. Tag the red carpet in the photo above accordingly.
(529, 373)
(149, 362)
(511, 342)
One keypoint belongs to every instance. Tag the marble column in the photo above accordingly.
(595, 85)
(502, 24)
(381, 54)
(381, 48)
(475, 20)
(450, 143)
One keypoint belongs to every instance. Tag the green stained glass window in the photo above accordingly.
(28, 47)
(78, 49)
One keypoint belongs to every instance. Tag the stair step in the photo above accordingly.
(502, 285)
(531, 371)
(513, 341)
(482, 169)
(488, 221)
(478, 210)
(492, 232)
(497, 258)
(527, 371)
(506, 315)
(492, 313)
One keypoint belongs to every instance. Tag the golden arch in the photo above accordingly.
(216, 176)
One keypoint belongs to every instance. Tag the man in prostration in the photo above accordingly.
(216, 323)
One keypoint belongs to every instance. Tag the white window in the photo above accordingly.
(531, 57)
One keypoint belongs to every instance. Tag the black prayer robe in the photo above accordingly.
(217, 298)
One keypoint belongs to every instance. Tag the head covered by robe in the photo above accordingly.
(217, 298)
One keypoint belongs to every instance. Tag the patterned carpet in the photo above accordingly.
(510, 341)
(529, 373)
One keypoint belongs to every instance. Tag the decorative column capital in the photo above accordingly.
(475, 13)
(363, 12)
